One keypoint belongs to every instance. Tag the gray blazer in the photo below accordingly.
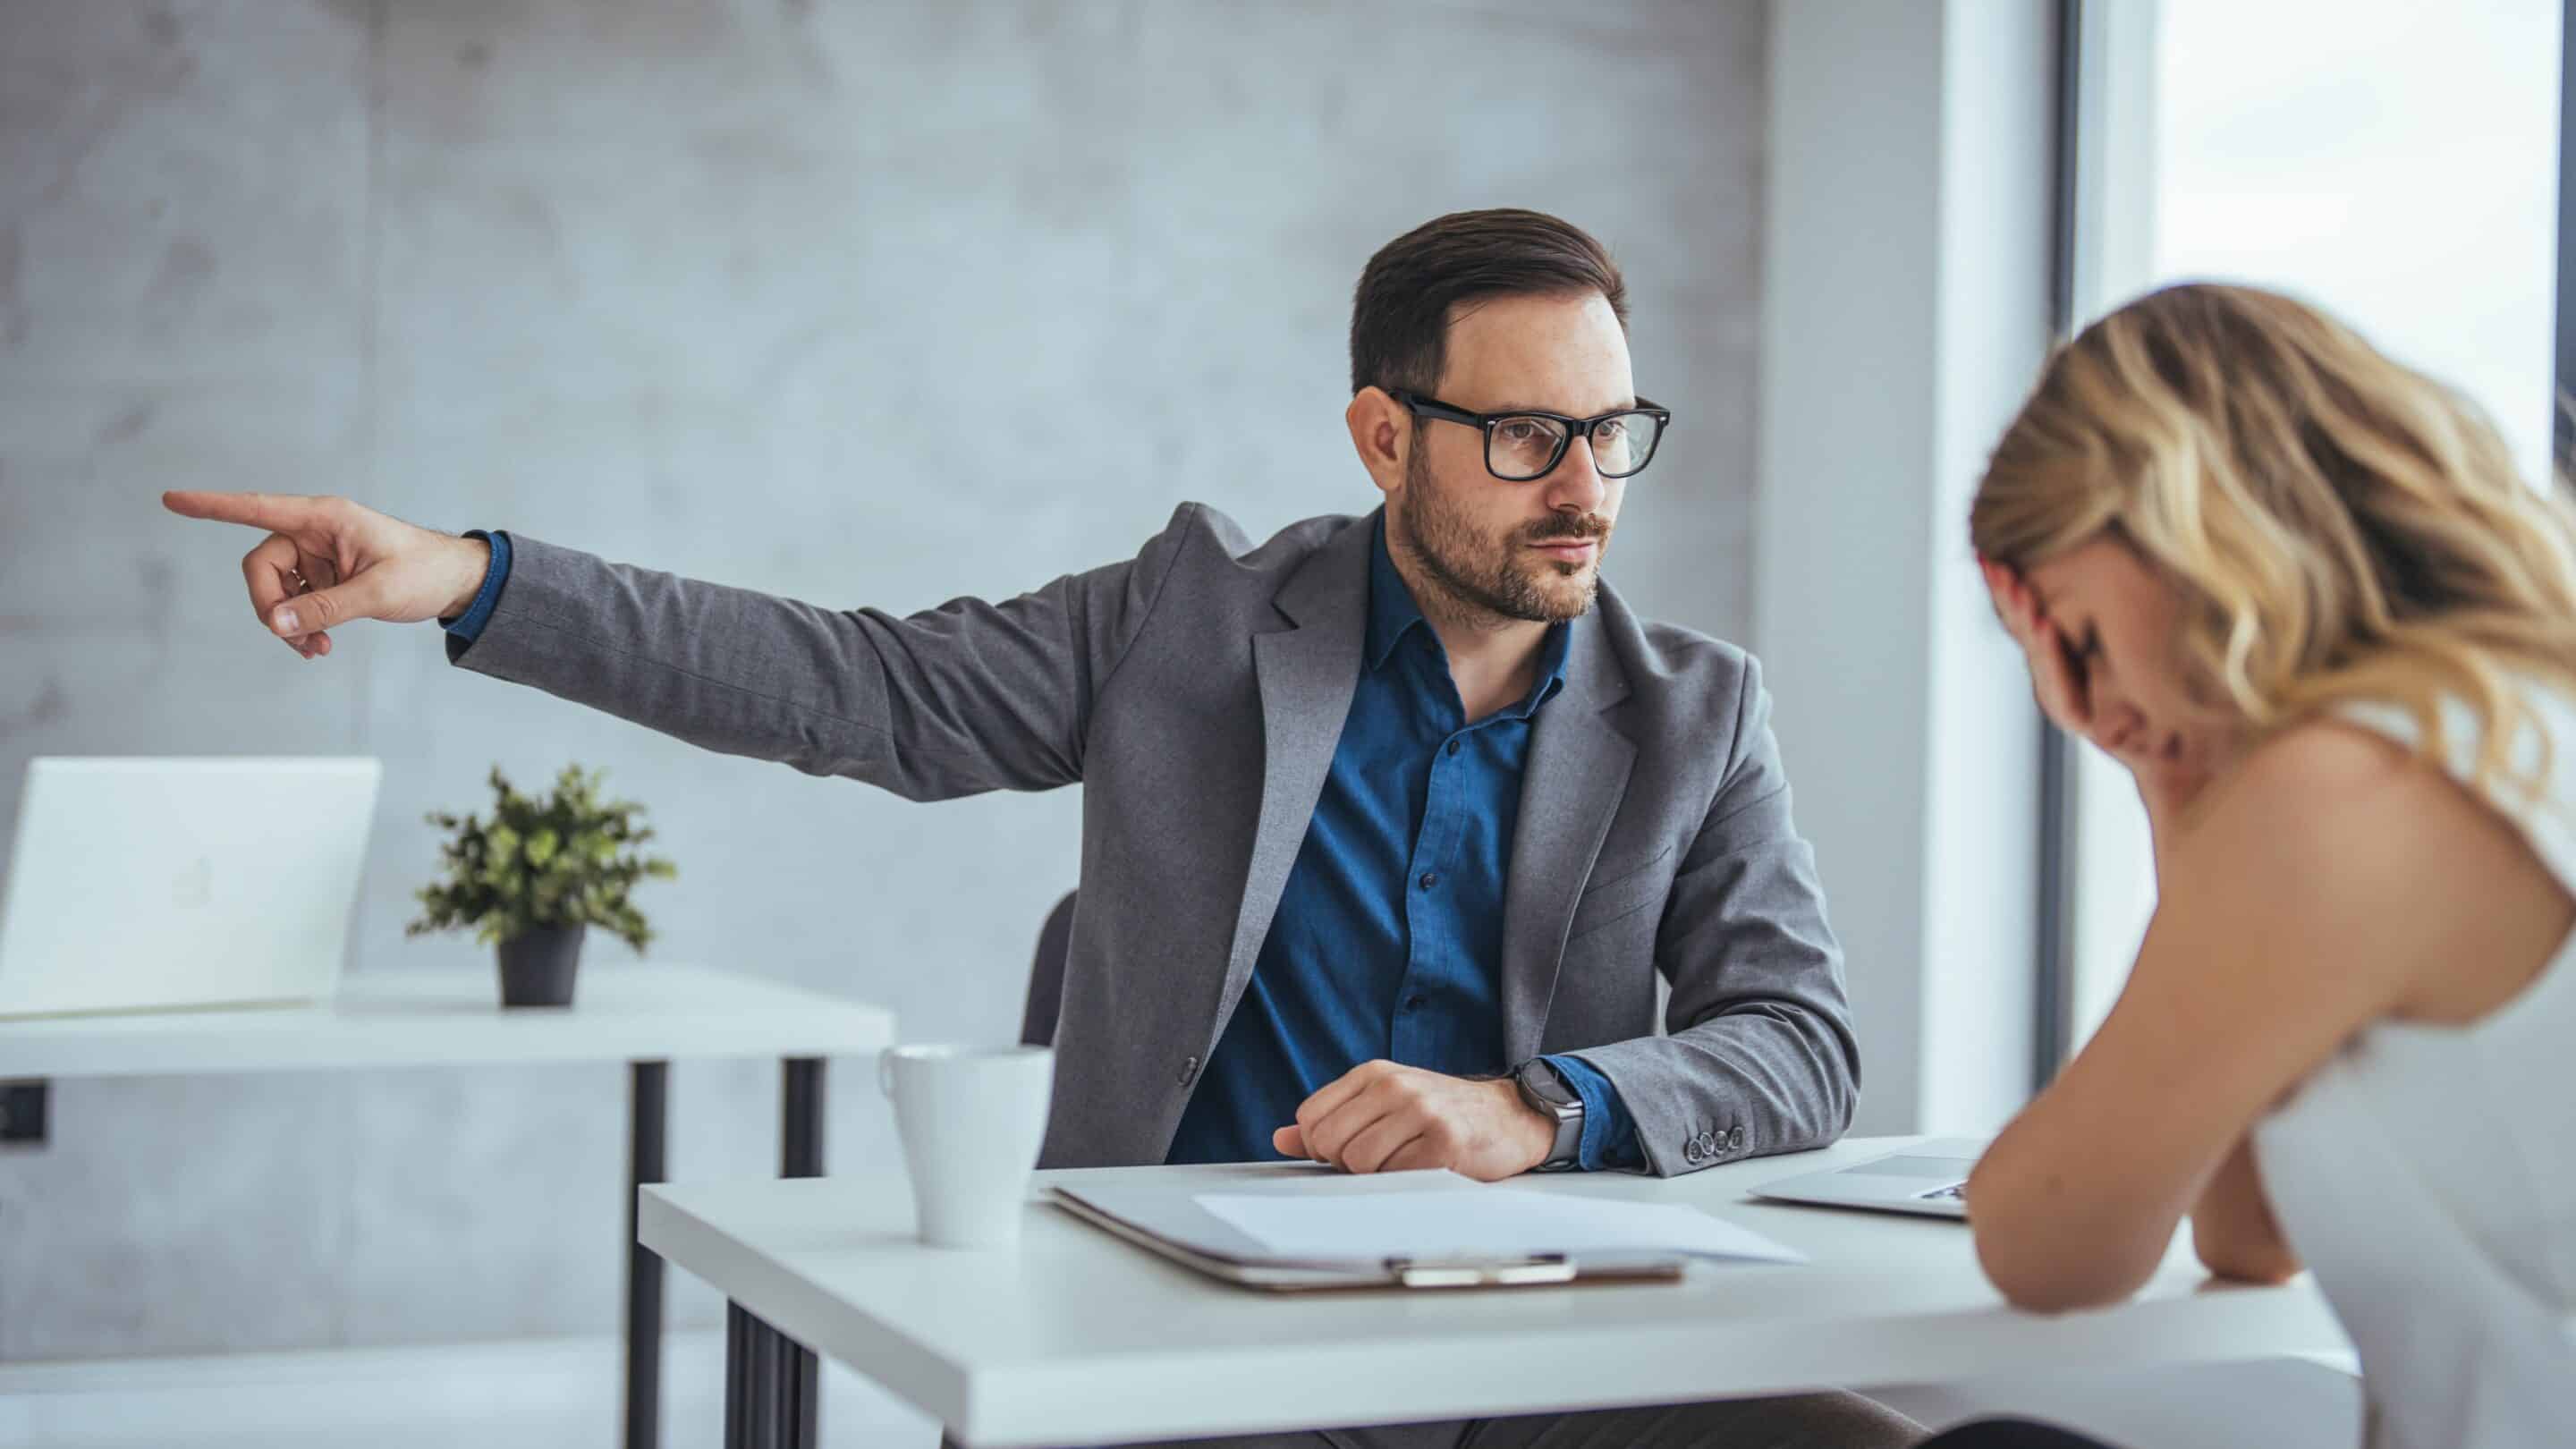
(1197, 694)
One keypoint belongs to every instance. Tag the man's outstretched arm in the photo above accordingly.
(970, 696)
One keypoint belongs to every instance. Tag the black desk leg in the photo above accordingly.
(773, 1399)
(737, 1391)
(800, 1112)
(800, 1154)
(646, 1117)
(769, 1398)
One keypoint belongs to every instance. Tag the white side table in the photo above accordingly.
(642, 1015)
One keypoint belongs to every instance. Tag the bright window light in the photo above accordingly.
(2390, 161)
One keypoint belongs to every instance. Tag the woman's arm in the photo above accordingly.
(2232, 1227)
(2318, 878)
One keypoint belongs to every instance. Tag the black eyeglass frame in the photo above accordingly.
(1432, 407)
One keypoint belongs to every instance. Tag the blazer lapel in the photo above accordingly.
(1571, 786)
(1308, 673)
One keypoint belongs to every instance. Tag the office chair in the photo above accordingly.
(1046, 976)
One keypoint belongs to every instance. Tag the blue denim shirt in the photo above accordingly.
(466, 627)
(1388, 940)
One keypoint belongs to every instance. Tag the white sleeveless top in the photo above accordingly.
(2427, 1174)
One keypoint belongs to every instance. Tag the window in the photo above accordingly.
(2393, 162)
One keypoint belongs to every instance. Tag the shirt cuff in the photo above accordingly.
(1609, 1133)
(465, 628)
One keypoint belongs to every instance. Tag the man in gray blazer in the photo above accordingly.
(1391, 823)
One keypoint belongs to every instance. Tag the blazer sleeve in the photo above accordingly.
(1760, 1055)
(967, 697)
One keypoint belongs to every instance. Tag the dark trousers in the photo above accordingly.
(2011, 1434)
(1798, 1421)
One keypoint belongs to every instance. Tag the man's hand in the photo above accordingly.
(327, 561)
(1381, 1117)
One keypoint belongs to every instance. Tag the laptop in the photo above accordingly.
(1929, 1179)
(137, 884)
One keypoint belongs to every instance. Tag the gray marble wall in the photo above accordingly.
(862, 303)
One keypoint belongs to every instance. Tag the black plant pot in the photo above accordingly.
(537, 965)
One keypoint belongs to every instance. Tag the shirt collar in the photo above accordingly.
(1551, 669)
(1393, 614)
(1392, 611)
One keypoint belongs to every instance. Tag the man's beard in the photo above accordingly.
(1486, 576)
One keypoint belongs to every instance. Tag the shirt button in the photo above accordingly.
(1453, 747)
(1430, 878)
(1413, 1003)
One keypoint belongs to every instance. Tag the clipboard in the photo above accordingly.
(1168, 1223)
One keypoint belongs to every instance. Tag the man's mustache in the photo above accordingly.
(1569, 528)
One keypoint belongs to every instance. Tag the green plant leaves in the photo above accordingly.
(567, 858)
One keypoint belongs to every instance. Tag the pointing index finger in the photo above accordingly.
(276, 512)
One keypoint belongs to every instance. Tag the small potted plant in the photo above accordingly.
(536, 878)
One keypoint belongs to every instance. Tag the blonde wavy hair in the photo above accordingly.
(2341, 529)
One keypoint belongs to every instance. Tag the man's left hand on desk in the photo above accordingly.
(1382, 1117)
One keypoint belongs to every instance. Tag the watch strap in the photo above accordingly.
(1546, 1090)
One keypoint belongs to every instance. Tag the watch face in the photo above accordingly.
(1544, 1083)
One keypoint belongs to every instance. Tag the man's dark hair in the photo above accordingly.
(1400, 312)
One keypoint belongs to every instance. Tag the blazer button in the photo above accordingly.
(1691, 1152)
(1735, 1138)
(1189, 1069)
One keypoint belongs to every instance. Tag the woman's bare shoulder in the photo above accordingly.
(2349, 855)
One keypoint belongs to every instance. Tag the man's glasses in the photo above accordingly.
(1525, 445)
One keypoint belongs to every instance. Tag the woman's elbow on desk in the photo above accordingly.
(2035, 1285)
(2051, 1258)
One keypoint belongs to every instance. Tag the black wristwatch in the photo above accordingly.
(1547, 1093)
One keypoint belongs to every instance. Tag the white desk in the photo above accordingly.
(642, 1015)
(1082, 1339)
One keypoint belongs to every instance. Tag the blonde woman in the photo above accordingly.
(2299, 591)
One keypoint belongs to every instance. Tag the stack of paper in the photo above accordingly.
(1311, 1228)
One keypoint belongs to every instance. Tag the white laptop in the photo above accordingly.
(1929, 1178)
(137, 884)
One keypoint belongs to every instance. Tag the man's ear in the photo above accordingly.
(1382, 431)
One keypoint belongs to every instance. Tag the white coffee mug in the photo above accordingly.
(971, 1120)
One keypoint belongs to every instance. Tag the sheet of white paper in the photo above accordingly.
(1481, 1222)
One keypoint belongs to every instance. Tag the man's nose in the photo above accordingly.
(1576, 484)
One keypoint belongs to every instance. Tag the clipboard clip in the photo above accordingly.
(1481, 1272)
